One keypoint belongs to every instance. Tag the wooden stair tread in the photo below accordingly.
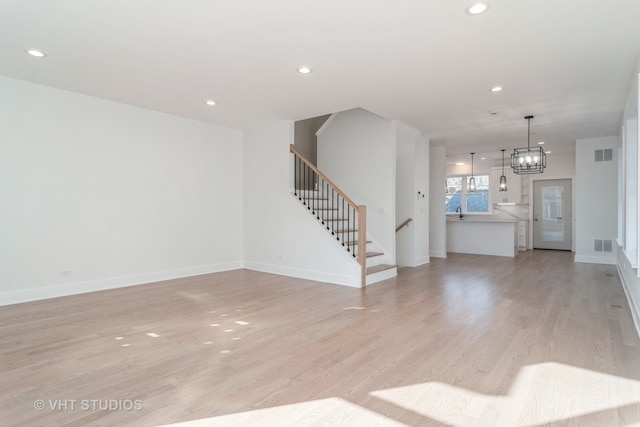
(379, 268)
(372, 254)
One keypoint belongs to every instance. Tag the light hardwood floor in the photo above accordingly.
(464, 341)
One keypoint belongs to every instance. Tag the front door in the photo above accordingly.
(552, 214)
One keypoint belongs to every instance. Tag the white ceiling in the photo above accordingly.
(424, 62)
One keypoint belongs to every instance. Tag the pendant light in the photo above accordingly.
(528, 160)
(472, 180)
(503, 178)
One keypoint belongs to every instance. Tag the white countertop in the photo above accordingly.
(479, 218)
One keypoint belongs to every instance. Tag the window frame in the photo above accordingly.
(463, 196)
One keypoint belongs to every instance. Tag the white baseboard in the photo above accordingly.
(438, 254)
(320, 276)
(633, 304)
(55, 291)
(422, 261)
(590, 259)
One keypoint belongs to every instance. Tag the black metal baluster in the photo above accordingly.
(337, 214)
(342, 222)
(333, 213)
(327, 204)
(349, 228)
(328, 212)
(316, 201)
(315, 195)
(355, 242)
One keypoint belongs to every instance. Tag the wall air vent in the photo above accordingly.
(604, 155)
(600, 245)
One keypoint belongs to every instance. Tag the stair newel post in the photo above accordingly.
(362, 243)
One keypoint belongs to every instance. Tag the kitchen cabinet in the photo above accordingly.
(485, 236)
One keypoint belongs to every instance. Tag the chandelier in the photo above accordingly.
(503, 178)
(528, 160)
(472, 180)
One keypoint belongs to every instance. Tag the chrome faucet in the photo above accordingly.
(459, 209)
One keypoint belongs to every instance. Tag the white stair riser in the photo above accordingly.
(375, 260)
(382, 275)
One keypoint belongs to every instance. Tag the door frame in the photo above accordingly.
(544, 177)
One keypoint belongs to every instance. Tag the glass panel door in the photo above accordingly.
(552, 214)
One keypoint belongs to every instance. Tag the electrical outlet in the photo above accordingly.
(65, 273)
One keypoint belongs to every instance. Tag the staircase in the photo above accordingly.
(345, 220)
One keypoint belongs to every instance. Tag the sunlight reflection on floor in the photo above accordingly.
(541, 394)
(327, 412)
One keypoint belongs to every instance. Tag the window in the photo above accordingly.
(458, 197)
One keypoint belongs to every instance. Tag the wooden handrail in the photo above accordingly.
(361, 211)
(405, 222)
(292, 149)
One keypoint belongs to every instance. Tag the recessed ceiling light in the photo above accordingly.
(496, 89)
(541, 143)
(210, 102)
(477, 8)
(547, 152)
(36, 53)
(483, 158)
(460, 164)
(304, 70)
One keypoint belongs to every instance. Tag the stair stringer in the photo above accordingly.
(372, 244)
(316, 228)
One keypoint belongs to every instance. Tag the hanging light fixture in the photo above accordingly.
(503, 178)
(528, 160)
(472, 180)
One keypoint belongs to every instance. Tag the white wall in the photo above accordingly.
(421, 205)
(97, 194)
(437, 216)
(412, 176)
(405, 166)
(306, 140)
(357, 152)
(596, 195)
(281, 236)
(480, 167)
(632, 199)
(628, 203)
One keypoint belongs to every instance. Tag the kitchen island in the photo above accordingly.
(484, 235)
